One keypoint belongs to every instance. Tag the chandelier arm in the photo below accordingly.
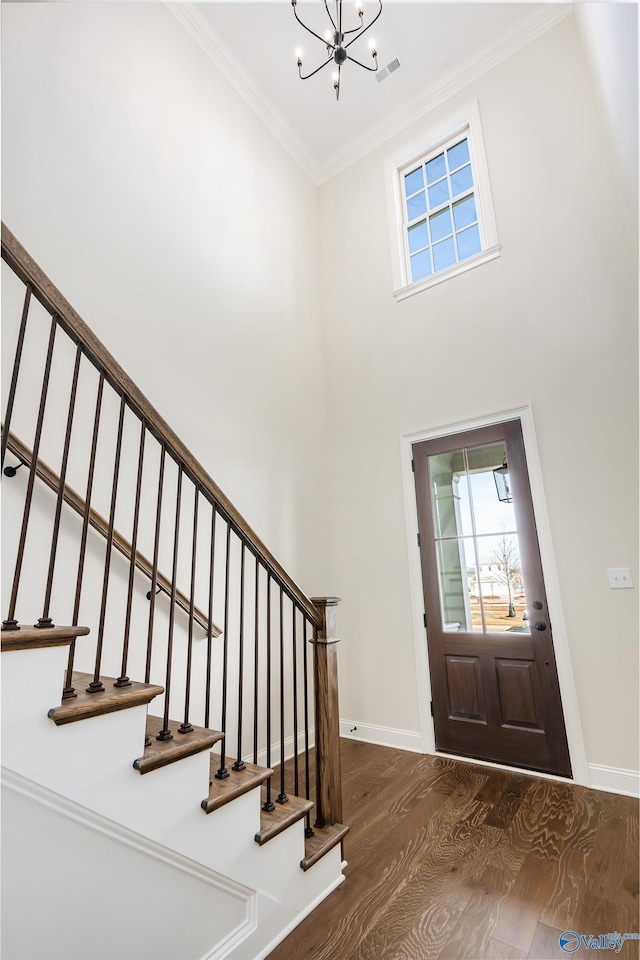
(329, 15)
(364, 30)
(364, 66)
(308, 29)
(317, 70)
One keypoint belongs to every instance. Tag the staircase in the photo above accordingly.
(128, 829)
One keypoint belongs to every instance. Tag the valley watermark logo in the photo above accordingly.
(570, 941)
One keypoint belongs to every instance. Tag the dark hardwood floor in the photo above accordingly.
(454, 860)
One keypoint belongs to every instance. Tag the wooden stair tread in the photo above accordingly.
(28, 637)
(163, 752)
(323, 840)
(237, 783)
(273, 823)
(110, 700)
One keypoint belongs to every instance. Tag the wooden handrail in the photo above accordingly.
(54, 302)
(75, 501)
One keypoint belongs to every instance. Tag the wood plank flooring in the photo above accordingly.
(448, 859)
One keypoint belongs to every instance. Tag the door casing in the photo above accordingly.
(561, 644)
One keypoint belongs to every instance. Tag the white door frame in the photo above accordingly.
(560, 640)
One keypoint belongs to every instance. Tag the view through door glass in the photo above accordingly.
(477, 549)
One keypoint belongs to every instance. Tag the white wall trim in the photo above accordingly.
(383, 736)
(560, 639)
(300, 916)
(97, 823)
(486, 58)
(543, 18)
(615, 780)
(288, 748)
(241, 80)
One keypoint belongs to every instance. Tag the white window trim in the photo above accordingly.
(466, 120)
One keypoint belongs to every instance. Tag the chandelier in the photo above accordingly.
(337, 43)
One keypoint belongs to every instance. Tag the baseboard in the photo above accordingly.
(615, 780)
(289, 751)
(383, 736)
(262, 954)
(610, 779)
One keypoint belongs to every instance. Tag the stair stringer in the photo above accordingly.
(90, 763)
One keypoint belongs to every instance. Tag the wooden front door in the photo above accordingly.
(493, 673)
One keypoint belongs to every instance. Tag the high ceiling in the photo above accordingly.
(441, 46)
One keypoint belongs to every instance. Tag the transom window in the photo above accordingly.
(439, 205)
(440, 210)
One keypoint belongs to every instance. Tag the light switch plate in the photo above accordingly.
(620, 578)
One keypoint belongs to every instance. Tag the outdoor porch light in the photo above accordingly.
(337, 41)
(501, 476)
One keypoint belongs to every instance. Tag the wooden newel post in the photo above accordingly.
(327, 717)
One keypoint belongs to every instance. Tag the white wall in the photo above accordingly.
(117, 910)
(552, 322)
(610, 35)
(182, 232)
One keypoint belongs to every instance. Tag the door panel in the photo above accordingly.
(518, 691)
(463, 688)
(494, 681)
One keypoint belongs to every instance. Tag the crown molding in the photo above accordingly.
(507, 43)
(206, 37)
(514, 38)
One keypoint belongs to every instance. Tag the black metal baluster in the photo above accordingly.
(282, 796)
(295, 705)
(10, 622)
(14, 375)
(240, 764)
(60, 499)
(165, 733)
(268, 805)
(96, 685)
(256, 663)
(308, 832)
(207, 694)
(69, 690)
(123, 680)
(185, 726)
(154, 572)
(223, 773)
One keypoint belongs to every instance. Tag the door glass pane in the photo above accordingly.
(457, 576)
(490, 514)
(450, 495)
(478, 555)
(503, 596)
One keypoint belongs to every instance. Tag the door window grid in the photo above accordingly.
(441, 219)
(462, 541)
